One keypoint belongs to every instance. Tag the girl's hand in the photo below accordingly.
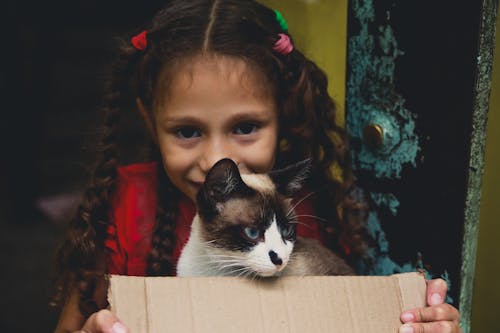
(103, 321)
(438, 317)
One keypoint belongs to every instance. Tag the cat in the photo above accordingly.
(246, 226)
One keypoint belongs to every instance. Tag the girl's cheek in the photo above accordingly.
(261, 160)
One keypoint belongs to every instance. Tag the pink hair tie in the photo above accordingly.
(283, 45)
(140, 41)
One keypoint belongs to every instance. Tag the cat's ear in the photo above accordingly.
(223, 182)
(290, 180)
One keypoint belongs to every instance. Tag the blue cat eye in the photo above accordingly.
(252, 233)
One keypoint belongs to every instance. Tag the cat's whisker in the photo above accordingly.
(298, 202)
(206, 272)
(221, 266)
(301, 223)
(212, 259)
(215, 257)
(226, 263)
(244, 273)
(234, 264)
(241, 271)
(313, 216)
(201, 256)
(218, 256)
(248, 272)
(225, 256)
(224, 260)
(255, 275)
(224, 267)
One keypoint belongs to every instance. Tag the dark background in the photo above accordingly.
(55, 58)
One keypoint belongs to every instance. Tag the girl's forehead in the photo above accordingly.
(218, 69)
(230, 70)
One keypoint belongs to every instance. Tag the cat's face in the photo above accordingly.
(248, 223)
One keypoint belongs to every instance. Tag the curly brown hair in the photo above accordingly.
(182, 30)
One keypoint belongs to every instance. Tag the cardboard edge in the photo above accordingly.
(119, 283)
(412, 290)
(147, 304)
(110, 294)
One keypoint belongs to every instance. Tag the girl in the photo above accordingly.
(211, 79)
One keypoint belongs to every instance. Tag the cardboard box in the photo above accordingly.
(288, 304)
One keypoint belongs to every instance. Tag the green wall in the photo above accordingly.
(486, 297)
(320, 31)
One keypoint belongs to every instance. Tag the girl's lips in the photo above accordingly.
(196, 184)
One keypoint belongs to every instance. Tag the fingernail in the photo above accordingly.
(436, 299)
(406, 329)
(118, 328)
(407, 317)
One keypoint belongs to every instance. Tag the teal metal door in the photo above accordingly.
(417, 94)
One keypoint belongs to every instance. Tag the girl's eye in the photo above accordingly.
(187, 133)
(252, 233)
(245, 129)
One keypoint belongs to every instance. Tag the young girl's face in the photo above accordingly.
(215, 107)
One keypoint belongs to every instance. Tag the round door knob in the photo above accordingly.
(373, 136)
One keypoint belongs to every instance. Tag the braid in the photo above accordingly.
(160, 260)
(81, 258)
(83, 248)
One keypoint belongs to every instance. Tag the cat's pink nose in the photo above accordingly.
(275, 259)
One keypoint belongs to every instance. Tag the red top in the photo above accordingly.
(134, 211)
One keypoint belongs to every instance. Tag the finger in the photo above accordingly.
(436, 291)
(440, 312)
(434, 327)
(104, 321)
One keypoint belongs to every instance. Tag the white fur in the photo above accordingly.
(193, 260)
(259, 256)
(261, 183)
(203, 259)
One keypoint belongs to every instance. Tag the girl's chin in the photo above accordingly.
(192, 191)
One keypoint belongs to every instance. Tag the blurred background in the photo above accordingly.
(56, 59)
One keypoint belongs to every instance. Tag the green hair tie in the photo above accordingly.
(281, 20)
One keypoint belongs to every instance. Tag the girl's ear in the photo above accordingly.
(146, 115)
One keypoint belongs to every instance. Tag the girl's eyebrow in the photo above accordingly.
(181, 120)
(254, 114)
(262, 114)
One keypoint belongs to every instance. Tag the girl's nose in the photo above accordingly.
(214, 151)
